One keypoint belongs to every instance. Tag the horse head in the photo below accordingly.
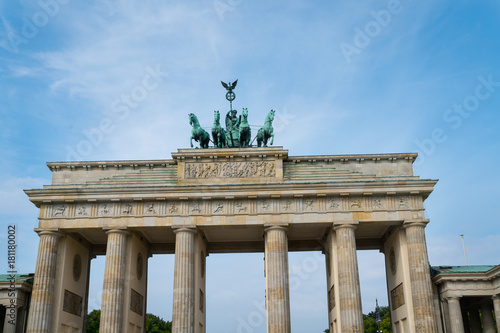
(217, 115)
(244, 112)
(192, 118)
(270, 115)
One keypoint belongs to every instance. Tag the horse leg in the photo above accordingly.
(272, 139)
(216, 138)
(191, 141)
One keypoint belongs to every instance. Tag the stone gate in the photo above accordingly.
(226, 201)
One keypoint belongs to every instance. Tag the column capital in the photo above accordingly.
(268, 227)
(352, 226)
(52, 232)
(190, 229)
(453, 298)
(122, 230)
(415, 223)
(496, 297)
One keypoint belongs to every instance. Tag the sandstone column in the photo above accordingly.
(455, 313)
(184, 281)
(475, 320)
(420, 276)
(42, 296)
(8, 326)
(487, 314)
(496, 305)
(351, 316)
(277, 284)
(114, 282)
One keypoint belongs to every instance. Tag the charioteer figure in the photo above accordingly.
(233, 129)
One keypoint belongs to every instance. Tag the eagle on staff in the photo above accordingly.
(230, 95)
(229, 86)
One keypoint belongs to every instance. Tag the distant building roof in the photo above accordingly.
(461, 269)
(19, 277)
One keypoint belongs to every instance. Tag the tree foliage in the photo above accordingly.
(154, 324)
(370, 323)
(93, 321)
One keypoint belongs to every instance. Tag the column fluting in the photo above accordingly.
(420, 276)
(184, 281)
(113, 291)
(42, 296)
(277, 280)
(351, 315)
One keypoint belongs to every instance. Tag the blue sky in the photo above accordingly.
(345, 77)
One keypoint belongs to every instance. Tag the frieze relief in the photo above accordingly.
(105, 209)
(287, 205)
(355, 203)
(173, 208)
(310, 205)
(241, 207)
(218, 207)
(378, 203)
(195, 207)
(402, 203)
(233, 206)
(127, 209)
(150, 208)
(265, 205)
(61, 211)
(333, 204)
(82, 210)
(229, 170)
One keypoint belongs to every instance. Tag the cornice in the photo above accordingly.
(376, 187)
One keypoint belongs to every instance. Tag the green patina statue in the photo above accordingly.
(218, 133)
(232, 129)
(237, 133)
(198, 133)
(266, 131)
(245, 131)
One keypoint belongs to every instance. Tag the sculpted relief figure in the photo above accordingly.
(229, 170)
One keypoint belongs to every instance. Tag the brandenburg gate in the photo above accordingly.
(229, 200)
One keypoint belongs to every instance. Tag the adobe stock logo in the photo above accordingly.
(120, 108)
(455, 116)
(363, 37)
(221, 7)
(31, 26)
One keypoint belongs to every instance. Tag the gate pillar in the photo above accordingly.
(420, 277)
(277, 283)
(183, 311)
(42, 299)
(112, 308)
(455, 311)
(351, 315)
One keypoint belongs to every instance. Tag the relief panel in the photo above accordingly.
(105, 209)
(241, 207)
(196, 207)
(287, 205)
(218, 207)
(333, 203)
(212, 170)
